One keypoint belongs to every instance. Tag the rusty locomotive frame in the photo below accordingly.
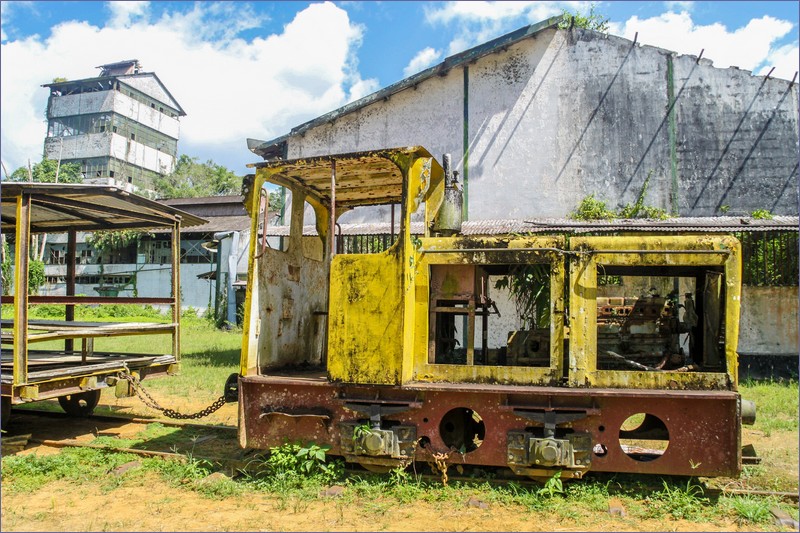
(404, 354)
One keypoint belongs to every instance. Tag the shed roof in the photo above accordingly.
(57, 207)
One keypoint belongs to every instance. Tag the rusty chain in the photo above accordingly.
(440, 460)
(150, 402)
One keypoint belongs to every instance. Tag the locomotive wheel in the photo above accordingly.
(80, 404)
(377, 469)
(6, 412)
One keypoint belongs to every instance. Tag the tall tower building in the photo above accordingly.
(121, 127)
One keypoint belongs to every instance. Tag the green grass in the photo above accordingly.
(375, 495)
(776, 404)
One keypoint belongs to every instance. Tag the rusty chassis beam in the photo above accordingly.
(703, 427)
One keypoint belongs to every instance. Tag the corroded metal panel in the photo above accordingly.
(292, 302)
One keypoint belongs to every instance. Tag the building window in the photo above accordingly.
(110, 173)
(99, 173)
(102, 129)
(114, 129)
(133, 136)
(130, 179)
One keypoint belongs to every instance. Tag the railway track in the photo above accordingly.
(32, 426)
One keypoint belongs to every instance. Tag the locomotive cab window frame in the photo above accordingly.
(705, 323)
(462, 336)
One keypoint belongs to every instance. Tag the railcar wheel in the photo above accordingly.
(6, 412)
(80, 404)
(377, 469)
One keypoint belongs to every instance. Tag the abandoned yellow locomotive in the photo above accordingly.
(576, 348)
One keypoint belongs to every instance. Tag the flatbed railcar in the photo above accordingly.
(56, 359)
(571, 349)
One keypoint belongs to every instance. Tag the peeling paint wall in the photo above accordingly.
(562, 115)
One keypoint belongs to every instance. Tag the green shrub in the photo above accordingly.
(591, 208)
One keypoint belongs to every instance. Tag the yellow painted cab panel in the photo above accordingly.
(366, 319)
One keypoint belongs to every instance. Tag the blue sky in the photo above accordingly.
(256, 69)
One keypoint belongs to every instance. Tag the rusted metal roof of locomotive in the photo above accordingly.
(564, 225)
(362, 178)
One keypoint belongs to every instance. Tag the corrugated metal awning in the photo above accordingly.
(58, 207)
(565, 225)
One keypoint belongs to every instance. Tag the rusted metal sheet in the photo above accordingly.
(701, 441)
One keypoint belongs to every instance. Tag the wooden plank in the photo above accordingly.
(176, 288)
(89, 300)
(63, 325)
(102, 332)
(20, 371)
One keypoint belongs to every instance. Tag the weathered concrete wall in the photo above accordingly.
(81, 104)
(117, 102)
(78, 146)
(563, 115)
(146, 115)
(109, 144)
(151, 87)
(140, 155)
(769, 321)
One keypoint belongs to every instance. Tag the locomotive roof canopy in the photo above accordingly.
(362, 178)
(58, 207)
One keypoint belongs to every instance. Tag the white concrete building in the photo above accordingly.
(121, 127)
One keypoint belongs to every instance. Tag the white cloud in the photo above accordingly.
(231, 88)
(785, 60)
(747, 47)
(123, 13)
(424, 59)
(478, 22)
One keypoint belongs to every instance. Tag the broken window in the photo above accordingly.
(661, 318)
(313, 247)
(490, 315)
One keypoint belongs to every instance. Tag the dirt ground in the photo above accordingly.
(152, 505)
(145, 502)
